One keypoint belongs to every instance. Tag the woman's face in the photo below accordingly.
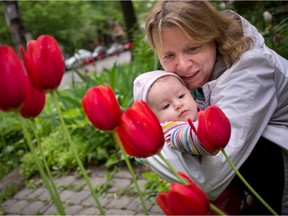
(193, 62)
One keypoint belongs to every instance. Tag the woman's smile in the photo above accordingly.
(190, 77)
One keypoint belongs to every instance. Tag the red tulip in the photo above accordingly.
(34, 101)
(12, 80)
(140, 131)
(184, 199)
(44, 63)
(102, 108)
(214, 128)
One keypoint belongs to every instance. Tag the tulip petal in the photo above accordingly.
(186, 203)
(137, 121)
(184, 199)
(220, 125)
(12, 75)
(101, 107)
(214, 128)
(161, 200)
(129, 148)
(44, 63)
(140, 131)
(34, 101)
(202, 131)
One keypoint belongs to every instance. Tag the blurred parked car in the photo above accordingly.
(72, 62)
(79, 58)
(128, 46)
(114, 49)
(84, 55)
(99, 52)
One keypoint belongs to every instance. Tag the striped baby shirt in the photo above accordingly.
(179, 135)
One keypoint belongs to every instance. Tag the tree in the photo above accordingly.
(129, 17)
(66, 21)
(15, 24)
(5, 35)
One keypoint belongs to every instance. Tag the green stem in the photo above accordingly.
(215, 209)
(119, 143)
(74, 150)
(38, 163)
(182, 180)
(2, 136)
(56, 194)
(247, 184)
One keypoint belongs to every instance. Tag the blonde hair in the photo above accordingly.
(200, 21)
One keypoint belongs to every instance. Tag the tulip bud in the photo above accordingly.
(34, 101)
(102, 108)
(44, 63)
(214, 128)
(140, 131)
(184, 199)
(12, 80)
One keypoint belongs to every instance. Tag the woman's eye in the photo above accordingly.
(193, 49)
(168, 56)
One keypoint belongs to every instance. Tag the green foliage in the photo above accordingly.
(5, 36)
(154, 184)
(73, 23)
(2, 210)
(276, 37)
(8, 191)
(275, 34)
(12, 146)
(143, 54)
(93, 146)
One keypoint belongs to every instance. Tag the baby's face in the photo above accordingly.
(170, 100)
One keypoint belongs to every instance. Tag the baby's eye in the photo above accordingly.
(166, 106)
(181, 96)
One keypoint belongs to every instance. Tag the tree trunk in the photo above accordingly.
(130, 18)
(15, 24)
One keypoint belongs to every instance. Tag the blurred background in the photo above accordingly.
(88, 24)
(77, 25)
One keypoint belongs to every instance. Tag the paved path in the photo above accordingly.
(119, 199)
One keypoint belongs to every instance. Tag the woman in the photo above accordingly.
(226, 57)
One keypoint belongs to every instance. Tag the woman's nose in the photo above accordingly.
(183, 64)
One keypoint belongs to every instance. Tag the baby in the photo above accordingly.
(170, 100)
